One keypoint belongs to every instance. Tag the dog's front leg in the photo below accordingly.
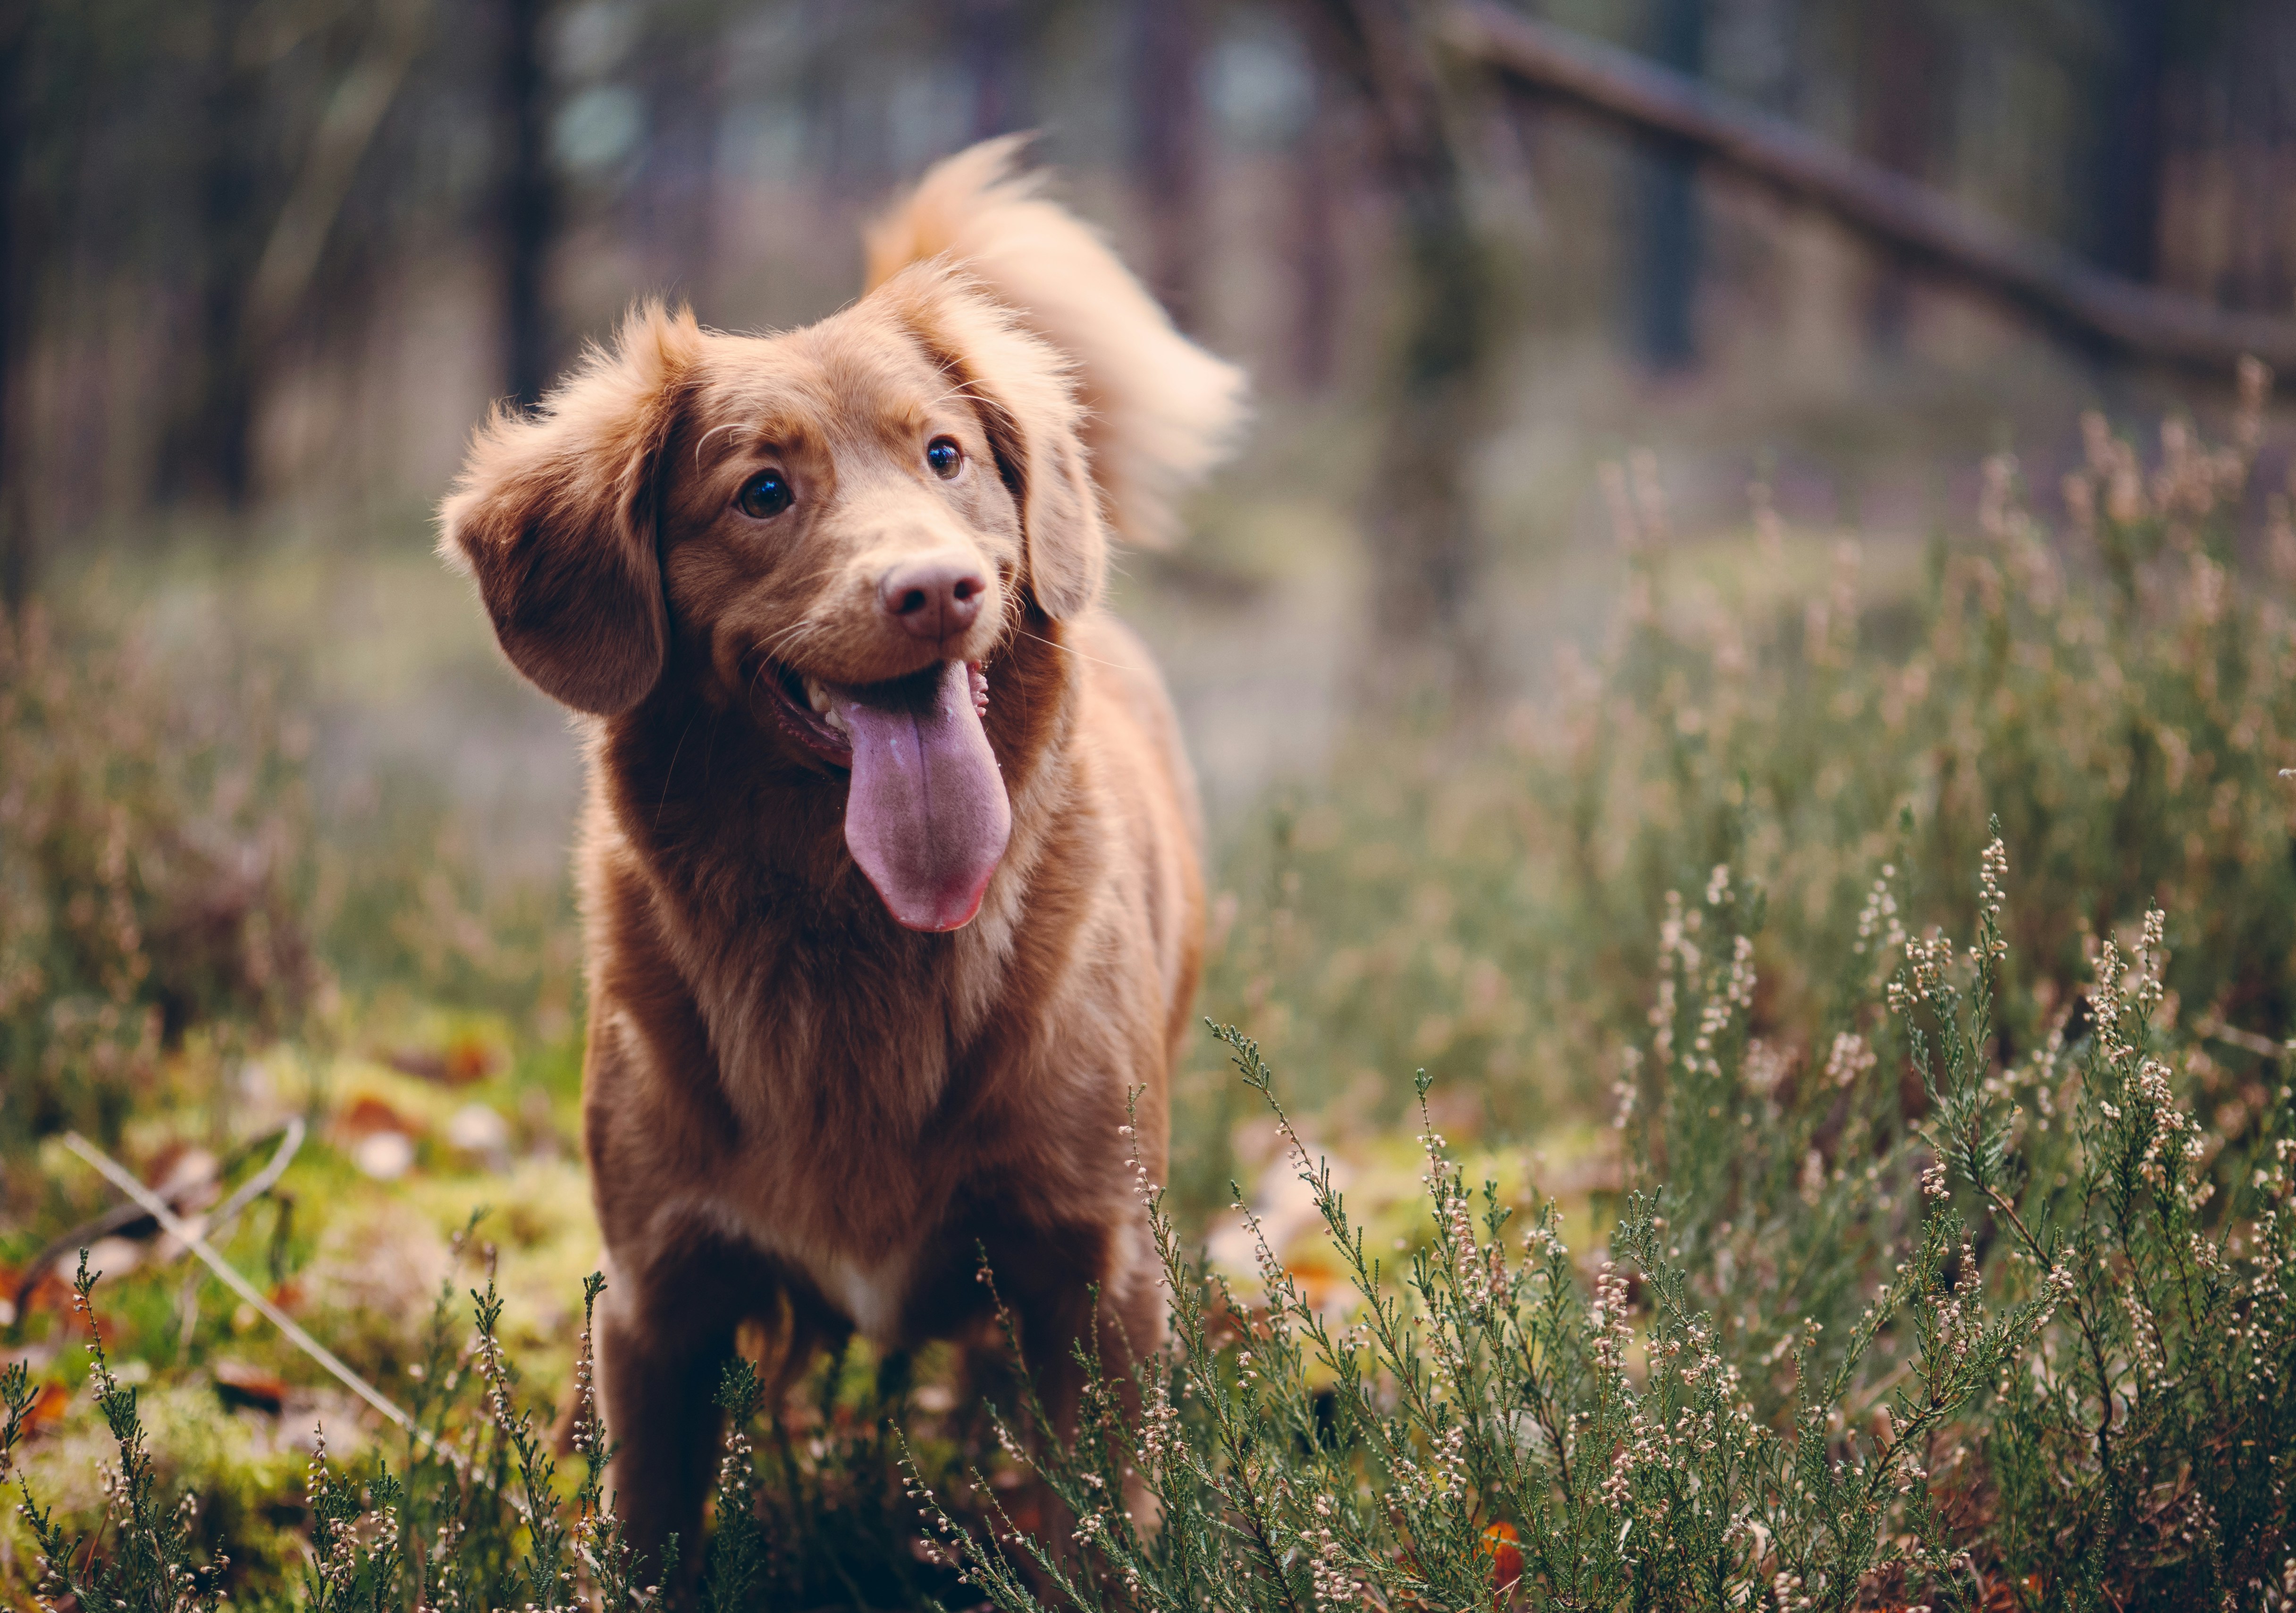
(1083, 1287)
(660, 1365)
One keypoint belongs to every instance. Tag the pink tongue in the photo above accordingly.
(926, 818)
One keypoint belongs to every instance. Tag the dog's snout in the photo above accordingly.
(934, 598)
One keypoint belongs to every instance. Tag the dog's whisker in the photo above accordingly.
(731, 426)
(773, 647)
(1079, 654)
(670, 771)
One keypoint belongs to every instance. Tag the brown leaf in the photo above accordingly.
(369, 1114)
(240, 1385)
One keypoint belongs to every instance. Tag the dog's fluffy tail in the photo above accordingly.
(1162, 411)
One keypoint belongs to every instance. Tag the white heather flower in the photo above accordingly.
(1851, 1058)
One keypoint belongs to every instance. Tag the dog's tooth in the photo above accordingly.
(818, 696)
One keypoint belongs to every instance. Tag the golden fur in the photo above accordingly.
(794, 1108)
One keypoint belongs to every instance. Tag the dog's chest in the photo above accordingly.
(862, 1247)
(844, 1161)
(873, 1297)
(847, 1194)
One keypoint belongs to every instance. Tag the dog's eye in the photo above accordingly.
(944, 456)
(764, 496)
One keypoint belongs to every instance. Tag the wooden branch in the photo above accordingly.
(1902, 215)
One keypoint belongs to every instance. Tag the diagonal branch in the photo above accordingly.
(1902, 215)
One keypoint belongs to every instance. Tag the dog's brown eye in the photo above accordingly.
(944, 456)
(764, 496)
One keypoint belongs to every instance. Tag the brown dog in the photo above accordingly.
(889, 866)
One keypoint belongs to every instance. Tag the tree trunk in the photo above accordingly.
(1426, 553)
(1315, 245)
(1925, 226)
(19, 564)
(528, 207)
(676, 195)
(1665, 235)
(1903, 69)
(207, 452)
(1167, 47)
(992, 53)
(2125, 193)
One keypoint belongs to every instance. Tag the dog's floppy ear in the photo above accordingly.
(556, 517)
(1043, 466)
(1024, 393)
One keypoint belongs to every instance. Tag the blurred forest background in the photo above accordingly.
(1606, 518)
(263, 263)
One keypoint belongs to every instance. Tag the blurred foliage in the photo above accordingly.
(2121, 694)
(154, 873)
(1696, 894)
(165, 885)
(2017, 1359)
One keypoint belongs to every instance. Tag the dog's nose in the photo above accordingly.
(935, 599)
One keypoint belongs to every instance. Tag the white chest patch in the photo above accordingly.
(871, 1295)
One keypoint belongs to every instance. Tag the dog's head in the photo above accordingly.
(835, 526)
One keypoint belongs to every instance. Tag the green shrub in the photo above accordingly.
(155, 868)
(1952, 1273)
(2040, 1352)
(164, 882)
(2122, 697)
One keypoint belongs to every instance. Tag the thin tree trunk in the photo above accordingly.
(1886, 208)
(675, 197)
(992, 51)
(1665, 233)
(528, 206)
(1427, 558)
(1168, 40)
(209, 449)
(2124, 195)
(1903, 69)
(1315, 245)
(18, 563)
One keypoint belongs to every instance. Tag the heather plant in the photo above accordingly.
(2059, 1377)
(164, 886)
(466, 1507)
(2057, 1373)
(153, 871)
(1488, 900)
(153, 1565)
(1914, 1271)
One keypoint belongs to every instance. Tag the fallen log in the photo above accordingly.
(1916, 221)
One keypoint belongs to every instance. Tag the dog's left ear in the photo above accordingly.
(1024, 393)
(556, 517)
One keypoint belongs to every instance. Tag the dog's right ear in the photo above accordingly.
(556, 516)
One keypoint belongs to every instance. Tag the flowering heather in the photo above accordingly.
(1995, 1358)
(1915, 972)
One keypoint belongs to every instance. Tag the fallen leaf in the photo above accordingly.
(463, 1060)
(368, 1114)
(1506, 1556)
(240, 1385)
(48, 1406)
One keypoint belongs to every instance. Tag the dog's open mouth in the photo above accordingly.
(926, 815)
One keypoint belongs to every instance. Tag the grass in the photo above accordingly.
(1849, 1167)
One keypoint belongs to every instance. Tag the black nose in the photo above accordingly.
(935, 599)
